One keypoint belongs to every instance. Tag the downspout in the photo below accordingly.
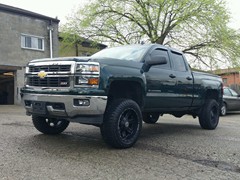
(50, 28)
(51, 48)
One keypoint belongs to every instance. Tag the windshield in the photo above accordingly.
(131, 53)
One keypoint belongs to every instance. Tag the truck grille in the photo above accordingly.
(50, 68)
(49, 81)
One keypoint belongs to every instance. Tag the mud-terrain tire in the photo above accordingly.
(122, 123)
(209, 116)
(49, 125)
(150, 118)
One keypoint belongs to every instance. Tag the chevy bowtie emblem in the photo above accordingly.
(42, 74)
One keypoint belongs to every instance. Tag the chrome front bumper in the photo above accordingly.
(62, 106)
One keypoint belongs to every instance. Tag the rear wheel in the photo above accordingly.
(150, 118)
(49, 125)
(223, 111)
(122, 123)
(209, 116)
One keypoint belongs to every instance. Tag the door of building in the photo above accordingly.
(6, 87)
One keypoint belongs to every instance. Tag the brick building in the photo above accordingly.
(231, 77)
(24, 35)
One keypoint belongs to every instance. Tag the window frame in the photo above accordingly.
(167, 66)
(175, 67)
(34, 41)
(225, 80)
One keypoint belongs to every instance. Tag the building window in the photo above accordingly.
(224, 80)
(32, 42)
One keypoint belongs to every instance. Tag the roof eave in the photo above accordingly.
(14, 10)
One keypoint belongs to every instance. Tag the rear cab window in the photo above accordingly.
(179, 62)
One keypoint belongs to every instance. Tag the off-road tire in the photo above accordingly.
(150, 118)
(122, 123)
(49, 125)
(209, 116)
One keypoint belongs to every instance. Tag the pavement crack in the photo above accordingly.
(221, 165)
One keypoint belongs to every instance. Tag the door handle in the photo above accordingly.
(189, 78)
(172, 76)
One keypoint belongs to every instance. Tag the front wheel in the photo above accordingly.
(49, 125)
(209, 116)
(122, 123)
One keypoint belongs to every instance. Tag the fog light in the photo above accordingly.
(81, 102)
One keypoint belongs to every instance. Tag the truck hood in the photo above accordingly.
(76, 59)
(103, 61)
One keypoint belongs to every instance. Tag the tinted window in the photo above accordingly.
(161, 52)
(179, 63)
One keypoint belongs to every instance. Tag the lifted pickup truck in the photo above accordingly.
(118, 88)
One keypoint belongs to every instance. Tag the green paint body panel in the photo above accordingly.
(165, 89)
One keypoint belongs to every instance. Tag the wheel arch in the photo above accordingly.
(214, 94)
(210, 94)
(127, 89)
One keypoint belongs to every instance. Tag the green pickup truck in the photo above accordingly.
(118, 88)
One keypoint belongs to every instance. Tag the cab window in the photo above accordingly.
(161, 52)
(179, 63)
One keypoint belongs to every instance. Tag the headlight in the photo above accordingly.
(27, 70)
(87, 74)
(25, 76)
(87, 68)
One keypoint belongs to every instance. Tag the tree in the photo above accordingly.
(73, 44)
(199, 28)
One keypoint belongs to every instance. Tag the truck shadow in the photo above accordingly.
(232, 113)
(166, 129)
(81, 140)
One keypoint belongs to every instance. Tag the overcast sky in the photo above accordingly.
(63, 8)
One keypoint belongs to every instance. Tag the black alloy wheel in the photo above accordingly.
(122, 123)
(127, 126)
(209, 116)
(49, 125)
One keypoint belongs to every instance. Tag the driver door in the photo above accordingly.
(161, 83)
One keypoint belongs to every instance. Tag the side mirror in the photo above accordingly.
(155, 60)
